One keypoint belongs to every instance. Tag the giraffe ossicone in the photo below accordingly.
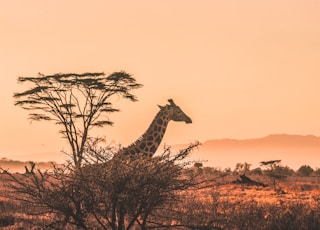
(149, 142)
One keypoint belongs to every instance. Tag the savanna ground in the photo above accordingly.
(293, 204)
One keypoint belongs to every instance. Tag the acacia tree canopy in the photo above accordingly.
(76, 102)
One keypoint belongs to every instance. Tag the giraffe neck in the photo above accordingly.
(149, 142)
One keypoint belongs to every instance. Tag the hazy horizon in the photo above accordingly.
(227, 152)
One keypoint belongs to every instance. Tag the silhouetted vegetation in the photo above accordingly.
(6, 221)
(99, 189)
(105, 194)
(157, 192)
(76, 102)
(274, 171)
(305, 170)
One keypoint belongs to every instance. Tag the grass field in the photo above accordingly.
(294, 204)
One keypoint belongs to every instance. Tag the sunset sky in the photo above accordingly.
(239, 69)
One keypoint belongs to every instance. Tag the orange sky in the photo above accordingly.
(239, 69)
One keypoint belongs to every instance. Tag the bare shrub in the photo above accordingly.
(104, 194)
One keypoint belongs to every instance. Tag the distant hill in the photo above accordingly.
(275, 140)
(293, 150)
(19, 166)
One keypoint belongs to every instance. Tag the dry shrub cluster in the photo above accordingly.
(213, 207)
(121, 193)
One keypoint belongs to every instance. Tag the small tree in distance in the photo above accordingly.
(242, 168)
(76, 102)
(305, 170)
(273, 171)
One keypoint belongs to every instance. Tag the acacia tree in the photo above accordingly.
(76, 102)
(273, 170)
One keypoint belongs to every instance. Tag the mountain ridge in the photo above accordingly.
(272, 139)
(293, 150)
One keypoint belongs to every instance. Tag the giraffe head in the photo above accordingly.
(175, 113)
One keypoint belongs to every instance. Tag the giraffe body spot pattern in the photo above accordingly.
(149, 142)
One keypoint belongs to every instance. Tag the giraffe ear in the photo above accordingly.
(160, 106)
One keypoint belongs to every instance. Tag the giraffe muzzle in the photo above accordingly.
(188, 120)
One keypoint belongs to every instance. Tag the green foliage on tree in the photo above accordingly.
(75, 102)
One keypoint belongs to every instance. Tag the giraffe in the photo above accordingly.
(149, 142)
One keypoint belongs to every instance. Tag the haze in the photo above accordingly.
(239, 69)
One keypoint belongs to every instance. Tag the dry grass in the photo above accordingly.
(295, 204)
